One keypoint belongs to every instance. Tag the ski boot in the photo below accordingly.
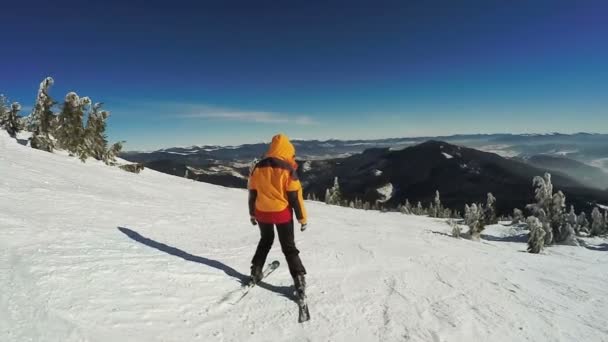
(256, 274)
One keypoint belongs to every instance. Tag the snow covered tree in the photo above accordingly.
(407, 207)
(544, 220)
(518, 216)
(583, 223)
(113, 152)
(572, 219)
(9, 119)
(436, 208)
(536, 240)
(553, 207)
(333, 195)
(490, 210)
(70, 132)
(456, 230)
(41, 121)
(474, 219)
(3, 110)
(597, 223)
(95, 143)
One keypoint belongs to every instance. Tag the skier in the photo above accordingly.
(274, 194)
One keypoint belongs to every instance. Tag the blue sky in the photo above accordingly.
(230, 72)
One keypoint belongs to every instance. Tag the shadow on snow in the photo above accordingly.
(285, 291)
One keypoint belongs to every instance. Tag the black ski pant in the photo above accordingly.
(288, 245)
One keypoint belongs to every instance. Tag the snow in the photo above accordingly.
(602, 206)
(377, 173)
(307, 166)
(447, 156)
(89, 252)
(217, 170)
(386, 192)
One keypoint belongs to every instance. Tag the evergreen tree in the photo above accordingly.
(9, 117)
(407, 207)
(536, 240)
(419, 208)
(597, 223)
(518, 216)
(333, 195)
(70, 132)
(3, 110)
(456, 230)
(544, 220)
(113, 152)
(11, 124)
(490, 210)
(42, 119)
(583, 223)
(437, 210)
(475, 222)
(572, 219)
(553, 207)
(95, 142)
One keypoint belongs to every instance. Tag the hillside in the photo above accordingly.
(462, 175)
(93, 253)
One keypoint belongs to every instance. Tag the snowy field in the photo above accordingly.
(94, 253)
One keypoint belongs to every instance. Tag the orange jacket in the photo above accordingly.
(274, 188)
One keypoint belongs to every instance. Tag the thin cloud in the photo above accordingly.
(215, 113)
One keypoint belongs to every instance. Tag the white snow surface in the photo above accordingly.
(68, 273)
(447, 156)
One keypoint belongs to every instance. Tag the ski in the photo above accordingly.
(246, 288)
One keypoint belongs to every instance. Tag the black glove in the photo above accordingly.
(303, 227)
(253, 221)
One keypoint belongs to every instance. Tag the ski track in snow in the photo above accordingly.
(94, 253)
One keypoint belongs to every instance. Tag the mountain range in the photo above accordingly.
(464, 168)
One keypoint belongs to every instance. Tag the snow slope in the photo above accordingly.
(93, 253)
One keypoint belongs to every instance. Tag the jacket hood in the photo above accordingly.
(282, 148)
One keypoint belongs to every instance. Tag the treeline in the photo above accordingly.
(62, 126)
(548, 222)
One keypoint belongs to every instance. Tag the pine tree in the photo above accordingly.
(9, 117)
(490, 210)
(42, 119)
(95, 143)
(553, 207)
(70, 132)
(536, 240)
(437, 210)
(456, 230)
(583, 223)
(333, 195)
(544, 220)
(597, 225)
(113, 152)
(3, 110)
(518, 216)
(558, 218)
(419, 209)
(475, 222)
(407, 207)
(572, 220)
